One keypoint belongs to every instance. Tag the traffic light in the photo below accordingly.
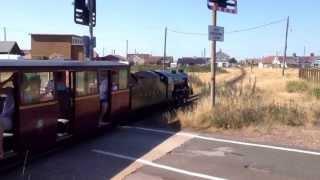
(82, 10)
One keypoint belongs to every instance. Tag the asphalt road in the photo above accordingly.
(151, 154)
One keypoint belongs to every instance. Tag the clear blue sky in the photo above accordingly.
(142, 22)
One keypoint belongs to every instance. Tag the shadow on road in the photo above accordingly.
(79, 161)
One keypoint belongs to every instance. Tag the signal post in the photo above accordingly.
(216, 33)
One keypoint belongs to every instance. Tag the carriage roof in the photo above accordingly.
(16, 65)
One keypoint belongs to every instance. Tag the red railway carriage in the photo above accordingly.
(56, 100)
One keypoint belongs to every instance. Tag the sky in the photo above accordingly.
(142, 23)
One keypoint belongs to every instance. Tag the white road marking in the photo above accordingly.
(152, 164)
(226, 141)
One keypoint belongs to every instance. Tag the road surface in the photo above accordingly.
(158, 152)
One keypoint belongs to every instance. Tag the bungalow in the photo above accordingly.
(10, 50)
(223, 59)
(270, 62)
(143, 59)
(291, 61)
(191, 61)
(316, 63)
(112, 57)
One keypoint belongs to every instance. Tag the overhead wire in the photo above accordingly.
(230, 32)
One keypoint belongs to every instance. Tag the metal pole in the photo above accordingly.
(127, 48)
(4, 33)
(213, 62)
(165, 47)
(91, 53)
(285, 48)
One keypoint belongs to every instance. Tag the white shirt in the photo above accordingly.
(8, 109)
(103, 89)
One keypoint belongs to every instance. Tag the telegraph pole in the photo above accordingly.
(4, 33)
(213, 62)
(285, 48)
(165, 48)
(127, 48)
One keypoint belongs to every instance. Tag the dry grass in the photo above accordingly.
(259, 107)
(201, 81)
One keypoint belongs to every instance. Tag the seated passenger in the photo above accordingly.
(7, 111)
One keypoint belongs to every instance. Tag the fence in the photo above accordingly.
(310, 74)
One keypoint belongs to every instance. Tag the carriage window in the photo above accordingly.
(4, 76)
(87, 83)
(120, 80)
(37, 87)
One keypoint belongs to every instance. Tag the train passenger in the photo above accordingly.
(7, 111)
(103, 93)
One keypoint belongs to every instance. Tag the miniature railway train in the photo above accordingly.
(44, 117)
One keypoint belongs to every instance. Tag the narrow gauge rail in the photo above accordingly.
(43, 117)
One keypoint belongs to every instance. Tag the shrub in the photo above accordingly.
(297, 86)
(240, 107)
(316, 92)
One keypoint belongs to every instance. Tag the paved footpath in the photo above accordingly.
(157, 153)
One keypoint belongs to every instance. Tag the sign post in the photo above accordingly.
(214, 60)
(217, 34)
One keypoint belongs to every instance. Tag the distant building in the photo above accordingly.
(112, 57)
(144, 59)
(316, 63)
(291, 61)
(223, 59)
(57, 46)
(191, 61)
(10, 47)
(10, 50)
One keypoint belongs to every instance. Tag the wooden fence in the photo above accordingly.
(310, 74)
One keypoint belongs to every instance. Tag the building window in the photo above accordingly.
(36, 88)
(86, 83)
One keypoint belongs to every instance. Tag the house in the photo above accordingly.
(10, 47)
(191, 61)
(113, 57)
(223, 59)
(10, 50)
(291, 61)
(316, 63)
(143, 59)
(57, 46)
(270, 62)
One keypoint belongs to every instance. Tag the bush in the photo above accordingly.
(240, 107)
(297, 86)
(316, 92)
